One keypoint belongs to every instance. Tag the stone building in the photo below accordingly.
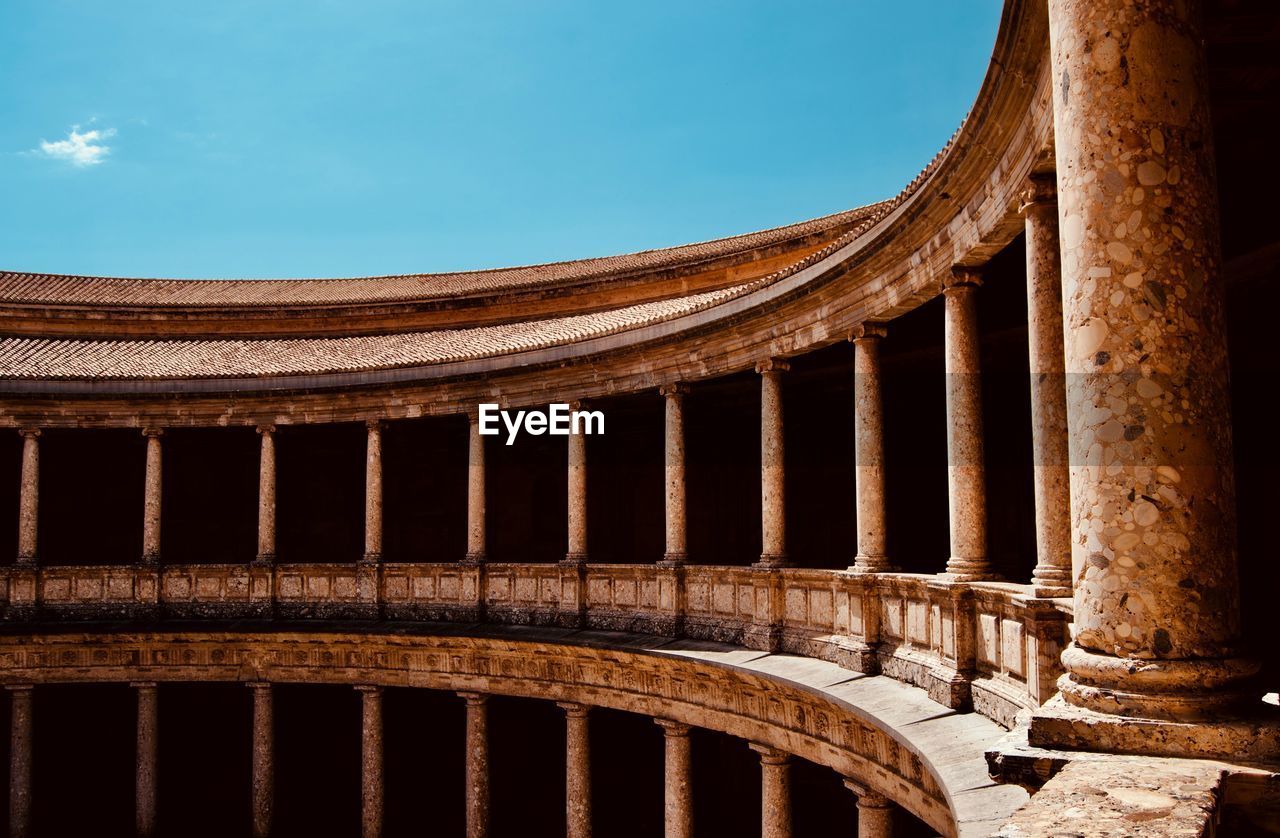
(947, 514)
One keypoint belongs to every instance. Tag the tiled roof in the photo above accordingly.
(53, 289)
(38, 358)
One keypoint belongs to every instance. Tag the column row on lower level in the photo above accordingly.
(874, 811)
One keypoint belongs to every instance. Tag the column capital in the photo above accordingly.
(675, 388)
(258, 685)
(474, 699)
(961, 277)
(772, 365)
(673, 728)
(868, 331)
(144, 685)
(1041, 191)
(152, 432)
(573, 710)
(266, 429)
(19, 688)
(29, 433)
(374, 424)
(374, 689)
(770, 755)
(867, 799)
(576, 405)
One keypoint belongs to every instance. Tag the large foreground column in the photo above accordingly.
(1052, 575)
(373, 493)
(151, 498)
(578, 771)
(677, 549)
(1157, 617)
(773, 506)
(678, 799)
(868, 441)
(475, 491)
(20, 723)
(577, 552)
(267, 496)
(371, 761)
(264, 763)
(775, 792)
(29, 499)
(966, 469)
(148, 730)
(477, 764)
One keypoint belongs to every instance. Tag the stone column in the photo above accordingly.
(577, 494)
(148, 730)
(1052, 575)
(477, 766)
(371, 761)
(151, 499)
(29, 499)
(677, 548)
(264, 762)
(373, 494)
(577, 771)
(20, 761)
(475, 491)
(868, 441)
(773, 505)
(966, 471)
(775, 792)
(875, 812)
(267, 496)
(1157, 616)
(678, 797)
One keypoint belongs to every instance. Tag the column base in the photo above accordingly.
(1051, 582)
(674, 560)
(871, 564)
(371, 558)
(474, 558)
(772, 560)
(264, 560)
(574, 559)
(969, 570)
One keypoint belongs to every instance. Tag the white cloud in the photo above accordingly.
(80, 149)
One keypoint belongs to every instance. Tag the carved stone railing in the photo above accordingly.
(990, 646)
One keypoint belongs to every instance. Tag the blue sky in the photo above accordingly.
(273, 138)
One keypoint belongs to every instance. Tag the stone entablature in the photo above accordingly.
(990, 646)
(886, 737)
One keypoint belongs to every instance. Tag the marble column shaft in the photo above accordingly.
(476, 545)
(577, 771)
(267, 495)
(264, 770)
(577, 494)
(773, 506)
(868, 440)
(29, 499)
(370, 761)
(677, 546)
(148, 732)
(373, 493)
(775, 792)
(966, 470)
(1052, 575)
(1157, 607)
(677, 795)
(20, 725)
(477, 764)
(151, 498)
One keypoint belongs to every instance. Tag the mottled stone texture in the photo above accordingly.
(773, 507)
(868, 441)
(263, 769)
(875, 816)
(148, 747)
(1153, 509)
(577, 770)
(966, 470)
(267, 496)
(371, 761)
(1052, 575)
(29, 499)
(577, 494)
(20, 723)
(677, 549)
(151, 499)
(476, 544)
(476, 778)
(677, 796)
(373, 494)
(775, 792)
